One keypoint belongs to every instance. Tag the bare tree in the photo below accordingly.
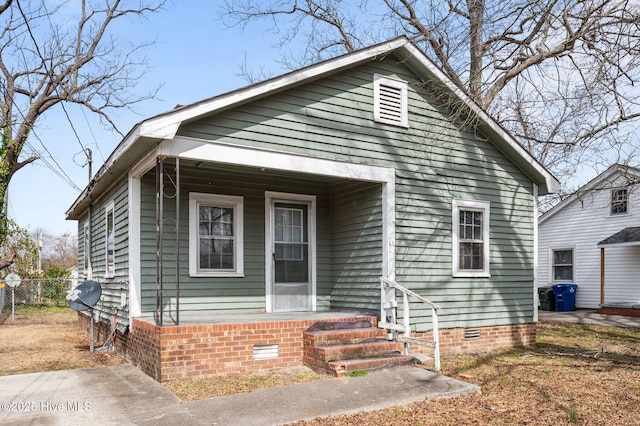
(52, 53)
(60, 251)
(558, 74)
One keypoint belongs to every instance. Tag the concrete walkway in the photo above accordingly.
(123, 395)
(588, 316)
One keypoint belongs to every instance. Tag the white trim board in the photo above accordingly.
(195, 149)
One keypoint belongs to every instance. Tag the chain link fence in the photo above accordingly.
(35, 292)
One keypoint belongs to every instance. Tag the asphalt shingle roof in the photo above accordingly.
(626, 236)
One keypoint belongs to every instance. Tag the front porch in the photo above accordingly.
(235, 344)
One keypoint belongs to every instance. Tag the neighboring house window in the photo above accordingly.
(619, 199)
(470, 238)
(215, 235)
(110, 246)
(562, 265)
(390, 101)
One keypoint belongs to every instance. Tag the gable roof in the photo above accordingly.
(148, 132)
(600, 182)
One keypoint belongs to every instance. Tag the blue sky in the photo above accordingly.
(194, 57)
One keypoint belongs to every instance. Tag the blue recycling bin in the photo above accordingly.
(565, 295)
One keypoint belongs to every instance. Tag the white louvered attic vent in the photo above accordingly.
(265, 351)
(390, 101)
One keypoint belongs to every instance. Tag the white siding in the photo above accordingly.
(581, 225)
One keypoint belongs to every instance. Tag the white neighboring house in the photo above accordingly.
(592, 239)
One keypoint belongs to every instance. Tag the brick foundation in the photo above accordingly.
(453, 342)
(196, 351)
(628, 312)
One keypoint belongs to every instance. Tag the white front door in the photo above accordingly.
(290, 255)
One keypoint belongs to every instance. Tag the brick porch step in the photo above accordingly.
(346, 366)
(362, 349)
(339, 348)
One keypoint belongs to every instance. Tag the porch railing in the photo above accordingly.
(388, 318)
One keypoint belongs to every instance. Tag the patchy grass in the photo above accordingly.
(44, 338)
(221, 386)
(576, 374)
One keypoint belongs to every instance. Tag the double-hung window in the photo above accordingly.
(109, 239)
(215, 235)
(619, 200)
(470, 238)
(562, 265)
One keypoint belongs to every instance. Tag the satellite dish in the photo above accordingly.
(84, 296)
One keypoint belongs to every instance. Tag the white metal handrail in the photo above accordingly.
(390, 304)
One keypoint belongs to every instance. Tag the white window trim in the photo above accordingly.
(86, 238)
(483, 206)
(379, 80)
(270, 198)
(610, 205)
(109, 209)
(551, 265)
(237, 202)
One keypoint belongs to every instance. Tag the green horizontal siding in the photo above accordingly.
(112, 287)
(225, 294)
(435, 161)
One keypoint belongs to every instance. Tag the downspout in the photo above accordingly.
(89, 271)
(535, 253)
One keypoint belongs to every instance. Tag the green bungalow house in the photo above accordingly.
(220, 231)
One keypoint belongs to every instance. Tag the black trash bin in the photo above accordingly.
(547, 299)
(565, 295)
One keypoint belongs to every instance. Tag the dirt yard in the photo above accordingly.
(576, 374)
(46, 340)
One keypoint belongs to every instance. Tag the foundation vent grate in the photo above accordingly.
(265, 351)
(472, 334)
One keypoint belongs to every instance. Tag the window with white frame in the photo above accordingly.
(619, 200)
(390, 101)
(562, 262)
(470, 238)
(86, 252)
(109, 240)
(215, 235)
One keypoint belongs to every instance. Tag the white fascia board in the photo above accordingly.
(552, 183)
(195, 149)
(163, 125)
(159, 128)
(627, 244)
(122, 148)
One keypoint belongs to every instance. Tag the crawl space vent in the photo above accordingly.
(472, 334)
(265, 351)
